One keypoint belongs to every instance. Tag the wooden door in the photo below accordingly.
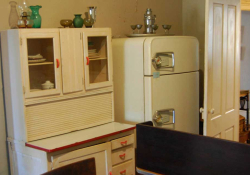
(97, 58)
(72, 60)
(41, 63)
(222, 69)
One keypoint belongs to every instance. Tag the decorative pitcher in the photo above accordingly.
(35, 16)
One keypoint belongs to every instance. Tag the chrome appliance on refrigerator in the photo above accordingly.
(157, 79)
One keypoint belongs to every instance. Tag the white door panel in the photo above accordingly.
(185, 49)
(180, 92)
(221, 97)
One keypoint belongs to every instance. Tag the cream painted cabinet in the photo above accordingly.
(111, 145)
(97, 59)
(51, 88)
(40, 55)
(72, 60)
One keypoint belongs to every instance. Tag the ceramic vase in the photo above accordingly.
(78, 21)
(35, 16)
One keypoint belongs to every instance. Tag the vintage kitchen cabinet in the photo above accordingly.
(82, 95)
(57, 81)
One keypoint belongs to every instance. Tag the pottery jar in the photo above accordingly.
(78, 21)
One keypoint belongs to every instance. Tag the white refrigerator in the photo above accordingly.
(157, 79)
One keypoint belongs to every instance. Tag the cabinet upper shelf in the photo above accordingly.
(43, 63)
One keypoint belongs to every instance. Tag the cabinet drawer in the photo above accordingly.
(122, 142)
(122, 155)
(127, 168)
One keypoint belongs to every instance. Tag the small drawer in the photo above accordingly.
(127, 168)
(123, 154)
(122, 142)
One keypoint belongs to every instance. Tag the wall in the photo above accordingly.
(245, 51)
(193, 13)
(117, 14)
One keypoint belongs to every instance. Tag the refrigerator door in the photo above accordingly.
(170, 55)
(172, 101)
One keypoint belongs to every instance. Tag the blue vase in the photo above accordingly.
(35, 16)
(78, 21)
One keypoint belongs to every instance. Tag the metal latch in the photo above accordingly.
(164, 60)
(164, 117)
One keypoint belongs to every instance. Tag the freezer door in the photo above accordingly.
(170, 55)
(172, 101)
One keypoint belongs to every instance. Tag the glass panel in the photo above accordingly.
(98, 62)
(41, 64)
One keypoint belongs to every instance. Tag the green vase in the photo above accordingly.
(78, 21)
(35, 16)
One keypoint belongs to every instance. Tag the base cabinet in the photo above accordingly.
(121, 160)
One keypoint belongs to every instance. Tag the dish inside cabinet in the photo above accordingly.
(98, 62)
(41, 63)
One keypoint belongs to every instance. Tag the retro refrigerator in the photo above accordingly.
(157, 79)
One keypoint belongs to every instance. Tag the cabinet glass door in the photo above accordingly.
(41, 62)
(97, 53)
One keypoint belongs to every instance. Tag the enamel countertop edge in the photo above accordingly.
(36, 145)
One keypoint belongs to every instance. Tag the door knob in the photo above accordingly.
(212, 111)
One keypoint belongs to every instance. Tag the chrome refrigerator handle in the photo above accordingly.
(159, 62)
(162, 117)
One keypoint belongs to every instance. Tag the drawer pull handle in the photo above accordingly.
(124, 143)
(122, 156)
(123, 172)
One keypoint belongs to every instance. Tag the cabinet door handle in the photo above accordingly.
(87, 60)
(122, 156)
(123, 172)
(124, 143)
(57, 63)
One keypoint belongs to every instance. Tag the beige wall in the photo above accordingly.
(117, 14)
(193, 13)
